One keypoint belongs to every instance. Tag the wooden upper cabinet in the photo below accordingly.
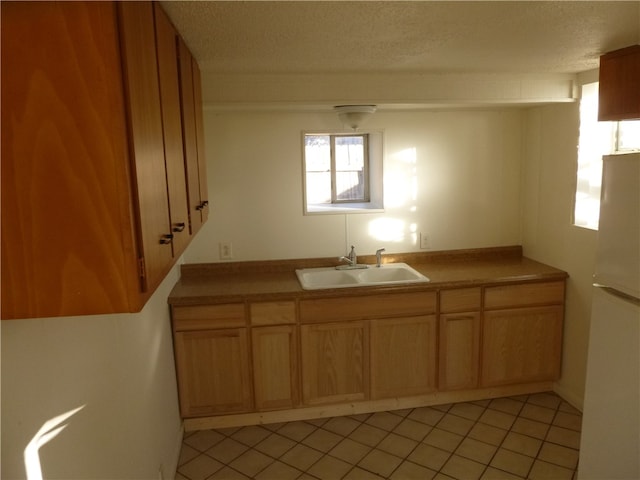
(146, 136)
(67, 232)
(167, 52)
(619, 90)
(192, 133)
(86, 223)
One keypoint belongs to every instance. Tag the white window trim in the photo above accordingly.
(595, 140)
(376, 193)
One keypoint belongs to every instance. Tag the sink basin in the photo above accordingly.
(388, 274)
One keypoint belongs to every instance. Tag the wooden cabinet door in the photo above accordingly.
(192, 131)
(459, 350)
(202, 158)
(619, 89)
(275, 373)
(166, 47)
(521, 345)
(213, 371)
(68, 242)
(459, 338)
(335, 362)
(403, 356)
(137, 34)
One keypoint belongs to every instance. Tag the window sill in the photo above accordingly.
(326, 209)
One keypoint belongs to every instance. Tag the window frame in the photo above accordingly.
(334, 168)
(372, 171)
(608, 134)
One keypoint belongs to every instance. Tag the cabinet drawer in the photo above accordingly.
(524, 295)
(273, 313)
(460, 300)
(362, 307)
(203, 317)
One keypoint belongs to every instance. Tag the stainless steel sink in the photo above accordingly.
(330, 277)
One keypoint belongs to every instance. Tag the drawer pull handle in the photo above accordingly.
(166, 239)
(179, 227)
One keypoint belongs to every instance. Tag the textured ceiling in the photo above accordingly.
(395, 36)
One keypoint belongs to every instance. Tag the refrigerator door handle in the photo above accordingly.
(617, 293)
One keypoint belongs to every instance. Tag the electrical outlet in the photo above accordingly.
(226, 250)
(424, 241)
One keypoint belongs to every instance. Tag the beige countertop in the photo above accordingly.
(273, 280)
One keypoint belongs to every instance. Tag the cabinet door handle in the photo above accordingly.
(202, 205)
(165, 239)
(178, 227)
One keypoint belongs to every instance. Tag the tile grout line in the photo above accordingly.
(321, 426)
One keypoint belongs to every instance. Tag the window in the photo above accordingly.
(597, 139)
(342, 172)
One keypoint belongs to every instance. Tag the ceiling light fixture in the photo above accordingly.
(353, 115)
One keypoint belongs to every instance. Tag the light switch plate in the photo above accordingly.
(424, 241)
(226, 250)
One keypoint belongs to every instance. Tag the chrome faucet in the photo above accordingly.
(352, 260)
(379, 257)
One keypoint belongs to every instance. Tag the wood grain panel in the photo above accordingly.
(189, 136)
(371, 306)
(172, 129)
(403, 356)
(272, 313)
(521, 345)
(275, 372)
(335, 362)
(67, 232)
(200, 143)
(619, 89)
(213, 372)
(460, 300)
(142, 88)
(200, 317)
(459, 350)
(509, 296)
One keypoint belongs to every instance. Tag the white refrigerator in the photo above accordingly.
(610, 443)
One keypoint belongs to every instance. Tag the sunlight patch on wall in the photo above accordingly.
(387, 229)
(49, 430)
(401, 180)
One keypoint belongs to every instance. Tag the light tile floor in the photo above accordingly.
(529, 436)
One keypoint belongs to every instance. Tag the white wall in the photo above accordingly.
(454, 175)
(119, 366)
(550, 163)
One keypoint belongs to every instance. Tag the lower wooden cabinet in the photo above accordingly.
(263, 356)
(521, 345)
(459, 338)
(403, 356)
(213, 371)
(335, 362)
(459, 350)
(275, 372)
